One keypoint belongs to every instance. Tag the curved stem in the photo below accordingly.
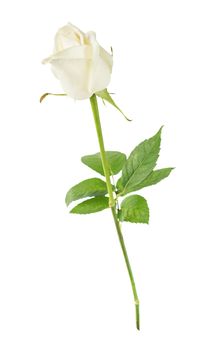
(94, 106)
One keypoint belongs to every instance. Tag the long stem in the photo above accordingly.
(112, 204)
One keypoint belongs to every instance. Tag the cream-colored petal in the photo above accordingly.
(101, 66)
(108, 58)
(68, 36)
(73, 75)
(101, 72)
(76, 52)
(91, 37)
(95, 57)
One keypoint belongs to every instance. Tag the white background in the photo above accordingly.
(63, 280)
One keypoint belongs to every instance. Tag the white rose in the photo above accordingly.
(80, 63)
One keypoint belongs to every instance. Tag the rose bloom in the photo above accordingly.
(79, 62)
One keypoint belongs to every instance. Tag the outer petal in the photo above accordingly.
(73, 75)
(102, 71)
(101, 66)
(76, 52)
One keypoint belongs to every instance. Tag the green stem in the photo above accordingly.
(124, 250)
(94, 106)
(104, 161)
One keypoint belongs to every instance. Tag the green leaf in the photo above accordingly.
(87, 188)
(92, 205)
(154, 177)
(140, 163)
(115, 159)
(134, 209)
(104, 94)
(119, 185)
